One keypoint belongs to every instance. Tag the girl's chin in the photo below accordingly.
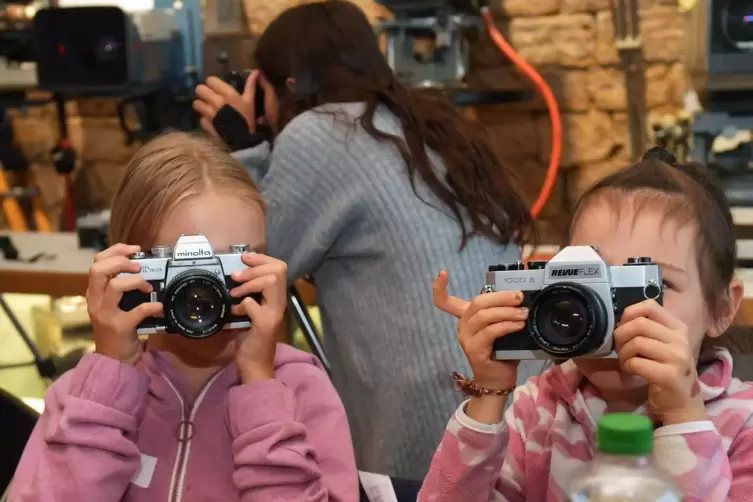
(218, 348)
(607, 374)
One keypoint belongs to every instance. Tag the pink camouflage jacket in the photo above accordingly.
(549, 432)
(116, 433)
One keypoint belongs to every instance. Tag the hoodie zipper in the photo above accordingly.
(185, 436)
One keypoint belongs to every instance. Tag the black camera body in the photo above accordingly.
(103, 51)
(193, 284)
(238, 81)
(232, 127)
(575, 301)
(730, 45)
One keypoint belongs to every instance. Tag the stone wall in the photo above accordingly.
(569, 41)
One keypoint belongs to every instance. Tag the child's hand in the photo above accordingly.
(653, 345)
(215, 93)
(255, 354)
(488, 317)
(115, 330)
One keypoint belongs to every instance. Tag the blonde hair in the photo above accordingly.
(165, 171)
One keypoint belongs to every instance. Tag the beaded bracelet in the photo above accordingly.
(471, 388)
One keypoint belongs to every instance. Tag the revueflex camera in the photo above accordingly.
(194, 284)
(575, 301)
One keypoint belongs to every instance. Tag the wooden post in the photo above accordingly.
(627, 36)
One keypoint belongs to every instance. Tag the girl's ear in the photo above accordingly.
(290, 83)
(729, 309)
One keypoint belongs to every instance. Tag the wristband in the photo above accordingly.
(232, 128)
(473, 389)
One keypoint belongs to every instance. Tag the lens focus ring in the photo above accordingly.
(568, 320)
(197, 304)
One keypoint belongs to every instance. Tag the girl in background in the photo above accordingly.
(704, 417)
(232, 417)
(372, 187)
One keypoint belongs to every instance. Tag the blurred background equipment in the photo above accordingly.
(149, 62)
(104, 51)
(92, 230)
(444, 26)
(20, 204)
(721, 135)
(428, 45)
(730, 52)
(17, 44)
(150, 59)
(673, 133)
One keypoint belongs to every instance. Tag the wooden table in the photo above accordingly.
(65, 273)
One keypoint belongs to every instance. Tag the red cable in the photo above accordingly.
(551, 104)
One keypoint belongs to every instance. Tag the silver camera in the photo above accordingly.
(193, 283)
(575, 301)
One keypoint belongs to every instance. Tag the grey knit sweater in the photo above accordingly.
(341, 207)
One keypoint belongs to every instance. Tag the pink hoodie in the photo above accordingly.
(111, 432)
(549, 431)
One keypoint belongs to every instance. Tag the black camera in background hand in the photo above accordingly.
(238, 81)
(230, 124)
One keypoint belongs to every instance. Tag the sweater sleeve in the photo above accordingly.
(81, 447)
(478, 462)
(291, 439)
(313, 194)
(696, 456)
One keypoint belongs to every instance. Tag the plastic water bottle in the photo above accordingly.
(623, 470)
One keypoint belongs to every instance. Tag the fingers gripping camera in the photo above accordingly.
(575, 301)
(194, 284)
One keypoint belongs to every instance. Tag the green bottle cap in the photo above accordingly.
(625, 434)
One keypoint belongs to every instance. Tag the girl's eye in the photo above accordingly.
(667, 285)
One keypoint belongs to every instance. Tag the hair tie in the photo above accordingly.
(660, 153)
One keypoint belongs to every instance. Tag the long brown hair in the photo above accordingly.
(333, 54)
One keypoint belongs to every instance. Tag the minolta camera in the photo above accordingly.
(193, 284)
(574, 300)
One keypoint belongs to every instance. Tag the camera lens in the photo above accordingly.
(568, 320)
(95, 52)
(197, 304)
(106, 50)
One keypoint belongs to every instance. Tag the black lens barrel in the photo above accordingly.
(196, 304)
(568, 320)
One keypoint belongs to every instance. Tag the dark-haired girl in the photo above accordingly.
(371, 188)
(667, 367)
